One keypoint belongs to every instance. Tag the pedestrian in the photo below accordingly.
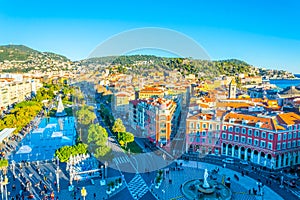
(94, 195)
(249, 191)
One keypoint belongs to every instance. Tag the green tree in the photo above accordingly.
(97, 135)
(125, 137)
(118, 126)
(86, 115)
(102, 151)
(97, 140)
(3, 165)
(65, 152)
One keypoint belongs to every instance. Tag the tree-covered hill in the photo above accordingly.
(23, 53)
(139, 64)
(19, 58)
(143, 64)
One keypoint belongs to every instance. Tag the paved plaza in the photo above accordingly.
(136, 186)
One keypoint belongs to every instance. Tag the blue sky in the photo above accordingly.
(263, 33)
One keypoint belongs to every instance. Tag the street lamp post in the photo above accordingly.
(13, 168)
(164, 194)
(281, 182)
(2, 193)
(197, 159)
(57, 174)
(57, 179)
(262, 192)
(105, 169)
(5, 186)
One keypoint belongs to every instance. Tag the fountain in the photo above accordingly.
(205, 189)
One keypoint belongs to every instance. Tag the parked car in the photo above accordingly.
(291, 183)
(275, 177)
(228, 160)
(244, 162)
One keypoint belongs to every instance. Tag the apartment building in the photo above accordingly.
(155, 118)
(270, 139)
(149, 92)
(14, 91)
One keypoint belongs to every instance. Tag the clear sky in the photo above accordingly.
(265, 33)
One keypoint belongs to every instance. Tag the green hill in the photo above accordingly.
(20, 58)
(142, 64)
(24, 53)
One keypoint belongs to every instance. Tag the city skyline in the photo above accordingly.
(263, 34)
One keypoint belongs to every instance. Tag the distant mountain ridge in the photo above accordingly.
(24, 53)
(20, 58)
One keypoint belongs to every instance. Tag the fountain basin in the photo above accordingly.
(193, 189)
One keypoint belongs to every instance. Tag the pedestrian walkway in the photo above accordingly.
(121, 160)
(297, 193)
(243, 180)
(137, 187)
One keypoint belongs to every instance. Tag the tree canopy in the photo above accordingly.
(97, 135)
(118, 126)
(125, 137)
(65, 152)
(21, 115)
(97, 140)
(86, 115)
(3, 164)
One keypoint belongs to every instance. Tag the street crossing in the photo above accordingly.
(137, 187)
(121, 160)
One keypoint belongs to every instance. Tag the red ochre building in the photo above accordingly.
(271, 139)
(155, 117)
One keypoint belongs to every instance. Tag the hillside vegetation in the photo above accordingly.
(23, 53)
(143, 64)
(19, 58)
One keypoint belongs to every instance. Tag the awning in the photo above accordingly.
(56, 134)
(6, 133)
(38, 130)
(24, 149)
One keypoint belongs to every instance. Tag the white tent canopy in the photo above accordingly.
(65, 139)
(38, 130)
(51, 126)
(24, 149)
(57, 134)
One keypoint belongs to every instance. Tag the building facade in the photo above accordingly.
(149, 92)
(203, 133)
(155, 117)
(12, 91)
(271, 140)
